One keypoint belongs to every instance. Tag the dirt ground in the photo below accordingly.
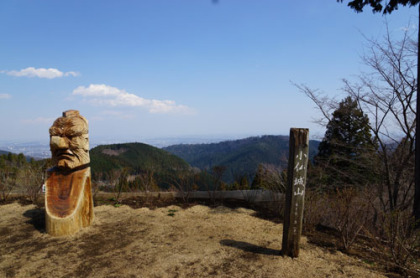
(165, 242)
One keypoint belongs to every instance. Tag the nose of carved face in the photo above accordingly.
(58, 142)
(62, 153)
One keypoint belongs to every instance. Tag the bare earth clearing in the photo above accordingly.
(165, 242)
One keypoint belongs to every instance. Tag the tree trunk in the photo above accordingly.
(416, 208)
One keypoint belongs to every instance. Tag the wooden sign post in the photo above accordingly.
(295, 192)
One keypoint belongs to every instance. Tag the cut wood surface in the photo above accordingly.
(68, 202)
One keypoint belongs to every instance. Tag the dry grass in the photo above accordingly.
(165, 242)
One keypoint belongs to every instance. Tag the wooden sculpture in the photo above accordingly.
(68, 196)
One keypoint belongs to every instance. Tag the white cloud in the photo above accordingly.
(101, 94)
(71, 73)
(5, 96)
(40, 72)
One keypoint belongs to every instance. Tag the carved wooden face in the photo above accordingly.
(69, 141)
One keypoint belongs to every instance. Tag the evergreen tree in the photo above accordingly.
(347, 152)
(21, 160)
(259, 177)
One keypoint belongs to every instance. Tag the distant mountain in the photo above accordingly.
(240, 157)
(137, 157)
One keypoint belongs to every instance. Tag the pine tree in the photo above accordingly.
(347, 152)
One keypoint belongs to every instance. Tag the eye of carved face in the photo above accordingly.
(69, 140)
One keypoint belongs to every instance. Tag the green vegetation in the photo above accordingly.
(150, 167)
(171, 212)
(138, 157)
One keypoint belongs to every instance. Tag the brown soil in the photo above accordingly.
(114, 152)
(164, 242)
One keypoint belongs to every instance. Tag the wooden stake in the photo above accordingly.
(295, 192)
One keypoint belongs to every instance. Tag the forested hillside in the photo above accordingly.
(240, 157)
(135, 158)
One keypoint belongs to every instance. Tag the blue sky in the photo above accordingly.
(177, 68)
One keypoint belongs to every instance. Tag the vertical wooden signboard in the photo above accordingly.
(295, 192)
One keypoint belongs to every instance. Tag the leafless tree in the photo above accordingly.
(30, 178)
(216, 183)
(118, 181)
(7, 181)
(185, 183)
(387, 94)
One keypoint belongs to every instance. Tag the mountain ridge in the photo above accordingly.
(240, 157)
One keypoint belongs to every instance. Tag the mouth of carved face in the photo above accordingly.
(65, 154)
(67, 159)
